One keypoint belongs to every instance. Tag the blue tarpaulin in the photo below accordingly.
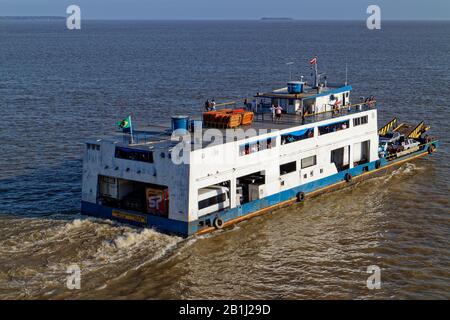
(298, 133)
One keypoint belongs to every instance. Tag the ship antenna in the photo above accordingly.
(290, 69)
(346, 73)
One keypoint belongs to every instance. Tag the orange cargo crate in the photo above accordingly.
(227, 118)
(247, 118)
(234, 120)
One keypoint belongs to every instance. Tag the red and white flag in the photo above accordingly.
(313, 60)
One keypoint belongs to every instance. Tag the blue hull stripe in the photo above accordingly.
(160, 223)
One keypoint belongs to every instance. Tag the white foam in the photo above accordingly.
(129, 239)
(77, 223)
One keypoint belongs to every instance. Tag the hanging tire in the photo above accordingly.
(218, 223)
(431, 149)
(348, 177)
(377, 164)
(300, 196)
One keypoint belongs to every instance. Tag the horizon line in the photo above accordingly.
(262, 19)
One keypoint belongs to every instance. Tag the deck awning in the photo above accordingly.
(298, 133)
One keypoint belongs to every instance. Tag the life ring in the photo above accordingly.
(431, 149)
(377, 164)
(300, 196)
(218, 223)
(348, 177)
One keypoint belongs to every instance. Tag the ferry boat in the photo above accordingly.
(284, 147)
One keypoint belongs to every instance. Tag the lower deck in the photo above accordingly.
(208, 223)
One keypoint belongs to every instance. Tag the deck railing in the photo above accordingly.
(139, 138)
(287, 118)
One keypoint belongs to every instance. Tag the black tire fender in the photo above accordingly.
(218, 223)
(431, 149)
(301, 196)
(377, 164)
(348, 177)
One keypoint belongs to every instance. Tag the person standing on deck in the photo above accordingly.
(213, 104)
(254, 106)
(278, 111)
(246, 104)
(273, 110)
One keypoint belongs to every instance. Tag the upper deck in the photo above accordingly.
(302, 104)
(159, 136)
(264, 120)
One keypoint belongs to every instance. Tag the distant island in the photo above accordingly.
(276, 19)
(31, 18)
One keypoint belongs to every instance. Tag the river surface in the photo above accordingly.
(59, 88)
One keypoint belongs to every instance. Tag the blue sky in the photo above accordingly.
(232, 9)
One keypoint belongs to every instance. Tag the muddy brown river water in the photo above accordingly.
(59, 88)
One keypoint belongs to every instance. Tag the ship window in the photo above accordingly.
(333, 127)
(288, 168)
(134, 154)
(297, 135)
(256, 146)
(92, 146)
(107, 180)
(309, 162)
(359, 121)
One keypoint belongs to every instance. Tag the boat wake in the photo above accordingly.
(38, 252)
(405, 170)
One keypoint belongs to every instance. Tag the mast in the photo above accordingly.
(316, 74)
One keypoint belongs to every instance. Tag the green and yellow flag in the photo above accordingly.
(125, 124)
